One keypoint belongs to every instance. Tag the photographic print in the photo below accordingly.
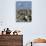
(23, 11)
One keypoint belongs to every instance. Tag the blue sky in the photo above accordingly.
(24, 4)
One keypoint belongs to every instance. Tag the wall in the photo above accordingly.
(11, 40)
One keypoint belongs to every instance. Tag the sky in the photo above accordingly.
(32, 30)
(23, 4)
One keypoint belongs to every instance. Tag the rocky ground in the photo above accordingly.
(23, 15)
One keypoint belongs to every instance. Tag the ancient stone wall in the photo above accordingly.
(11, 40)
